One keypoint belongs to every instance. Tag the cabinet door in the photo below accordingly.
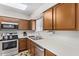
(8, 19)
(47, 20)
(22, 44)
(48, 53)
(77, 16)
(32, 48)
(24, 24)
(32, 51)
(28, 44)
(65, 16)
(39, 51)
(33, 24)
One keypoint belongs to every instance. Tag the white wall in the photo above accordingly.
(39, 24)
(41, 9)
(10, 13)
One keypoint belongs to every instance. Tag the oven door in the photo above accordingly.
(9, 45)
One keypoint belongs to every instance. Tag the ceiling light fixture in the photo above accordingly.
(16, 5)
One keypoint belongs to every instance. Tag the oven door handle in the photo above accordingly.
(9, 40)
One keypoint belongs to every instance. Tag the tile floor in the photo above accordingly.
(24, 53)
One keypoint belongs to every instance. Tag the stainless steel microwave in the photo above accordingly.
(9, 25)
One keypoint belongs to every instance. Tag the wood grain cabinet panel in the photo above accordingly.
(48, 53)
(24, 24)
(32, 48)
(65, 16)
(28, 43)
(32, 24)
(22, 44)
(47, 17)
(77, 16)
(8, 19)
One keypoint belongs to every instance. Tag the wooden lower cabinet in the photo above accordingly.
(39, 51)
(22, 44)
(34, 51)
(32, 47)
(48, 53)
(28, 44)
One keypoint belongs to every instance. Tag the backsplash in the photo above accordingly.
(67, 34)
(44, 34)
(20, 32)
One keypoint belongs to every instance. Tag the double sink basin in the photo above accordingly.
(35, 37)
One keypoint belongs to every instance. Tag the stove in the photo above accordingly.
(9, 44)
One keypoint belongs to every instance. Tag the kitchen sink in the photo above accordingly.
(35, 37)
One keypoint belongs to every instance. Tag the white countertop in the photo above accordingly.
(60, 45)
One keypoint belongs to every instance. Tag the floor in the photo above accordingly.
(23, 53)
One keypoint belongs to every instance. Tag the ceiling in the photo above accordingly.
(31, 8)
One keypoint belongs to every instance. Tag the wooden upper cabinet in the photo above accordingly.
(32, 24)
(77, 16)
(8, 19)
(47, 20)
(24, 24)
(65, 16)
